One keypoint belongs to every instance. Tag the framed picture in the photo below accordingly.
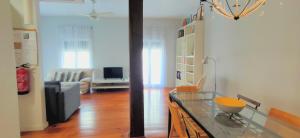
(178, 75)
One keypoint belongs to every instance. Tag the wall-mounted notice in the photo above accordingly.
(25, 45)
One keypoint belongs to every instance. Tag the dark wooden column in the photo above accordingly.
(136, 68)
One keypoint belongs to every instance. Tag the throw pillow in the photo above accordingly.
(72, 77)
(54, 76)
(79, 74)
(82, 75)
(67, 76)
(59, 76)
(62, 77)
(84, 87)
(85, 80)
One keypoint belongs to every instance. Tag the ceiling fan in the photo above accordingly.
(94, 15)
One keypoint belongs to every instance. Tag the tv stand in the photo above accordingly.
(110, 84)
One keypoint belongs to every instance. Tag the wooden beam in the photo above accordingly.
(136, 68)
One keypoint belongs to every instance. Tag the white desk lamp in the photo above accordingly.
(205, 61)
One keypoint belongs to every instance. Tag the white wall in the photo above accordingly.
(31, 106)
(111, 46)
(18, 14)
(258, 56)
(9, 114)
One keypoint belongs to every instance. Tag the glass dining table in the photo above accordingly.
(248, 123)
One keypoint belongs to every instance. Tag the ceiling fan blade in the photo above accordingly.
(87, 15)
(104, 13)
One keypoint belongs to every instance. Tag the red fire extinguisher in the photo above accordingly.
(23, 79)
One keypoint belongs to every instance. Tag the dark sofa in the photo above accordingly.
(62, 100)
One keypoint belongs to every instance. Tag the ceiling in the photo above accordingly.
(152, 8)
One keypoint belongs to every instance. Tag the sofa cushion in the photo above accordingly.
(65, 86)
(59, 76)
(72, 76)
(55, 84)
(86, 80)
(67, 76)
(85, 85)
(79, 75)
(54, 76)
(85, 74)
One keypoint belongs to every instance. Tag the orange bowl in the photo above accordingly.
(230, 105)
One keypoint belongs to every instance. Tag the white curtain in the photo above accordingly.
(154, 57)
(77, 41)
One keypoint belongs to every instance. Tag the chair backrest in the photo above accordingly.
(177, 120)
(285, 117)
(193, 88)
(194, 130)
(248, 100)
(201, 83)
(289, 124)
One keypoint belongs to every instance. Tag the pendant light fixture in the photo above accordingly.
(234, 9)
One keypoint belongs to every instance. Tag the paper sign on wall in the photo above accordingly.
(25, 45)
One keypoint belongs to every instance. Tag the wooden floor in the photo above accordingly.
(106, 115)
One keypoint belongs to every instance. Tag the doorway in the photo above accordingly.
(153, 64)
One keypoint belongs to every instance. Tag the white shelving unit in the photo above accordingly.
(189, 54)
(110, 84)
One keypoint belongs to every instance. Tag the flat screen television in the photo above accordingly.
(113, 72)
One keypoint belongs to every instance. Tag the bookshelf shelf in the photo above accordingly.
(189, 53)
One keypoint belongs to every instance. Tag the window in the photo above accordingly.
(76, 44)
(76, 57)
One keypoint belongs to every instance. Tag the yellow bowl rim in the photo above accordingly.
(243, 103)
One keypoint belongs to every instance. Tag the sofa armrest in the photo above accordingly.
(55, 84)
(52, 83)
(51, 104)
(70, 96)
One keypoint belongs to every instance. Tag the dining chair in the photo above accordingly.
(184, 125)
(192, 88)
(255, 104)
(201, 82)
(177, 124)
(285, 117)
(194, 131)
(287, 124)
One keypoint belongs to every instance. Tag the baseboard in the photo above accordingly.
(35, 127)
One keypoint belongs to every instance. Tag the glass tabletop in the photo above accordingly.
(248, 123)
